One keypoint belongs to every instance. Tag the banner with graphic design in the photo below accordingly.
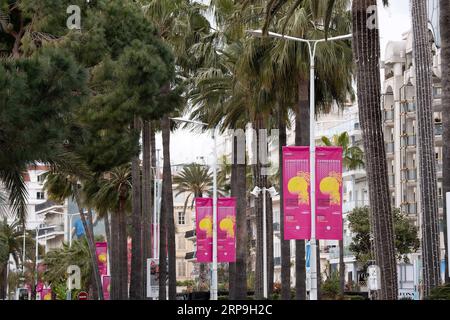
(46, 294)
(204, 223)
(329, 193)
(226, 231)
(296, 195)
(106, 285)
(101, 250)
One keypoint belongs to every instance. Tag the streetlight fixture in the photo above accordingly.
(312, 45)
(213, 293)
(273, 193)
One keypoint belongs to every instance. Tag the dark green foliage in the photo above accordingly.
(406, 240)
(440, 293)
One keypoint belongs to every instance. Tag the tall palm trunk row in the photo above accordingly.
(427, 164)
(445, 64)
(366, 53)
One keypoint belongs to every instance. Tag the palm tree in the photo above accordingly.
(113, 193)
(62, 185)
(445, 57)
(366, 52)
(427, 162)
(11, 245)
(352, 159)
(136, 280)
(194, 180)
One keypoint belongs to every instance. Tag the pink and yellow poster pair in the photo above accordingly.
(226, 231)
(297, 193)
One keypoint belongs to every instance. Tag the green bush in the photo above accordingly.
(440, 293)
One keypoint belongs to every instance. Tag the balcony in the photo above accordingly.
(440, 202)
(411, 208)
(411, 174)
(190, 256)
(409, 141)
(389, 117)
(409, 107)
(390, 148)
(190, 235)
(391, 179)
(439, 168)
(438, 129)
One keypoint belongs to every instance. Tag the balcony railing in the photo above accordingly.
(391, 179)
(409, 107)
(438, 129)
(409, 141)
(411, 174)
(388, 115)
(390, 146)
(411, 208)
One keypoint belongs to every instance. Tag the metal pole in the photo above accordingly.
(23, 249)
(70, 231)
(155, 205)
(448, 228)
(214, 226)
(313, 265)
(264, 243)
(37, 256)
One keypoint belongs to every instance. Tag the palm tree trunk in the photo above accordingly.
(445, 65)
(341, 268)
(260, 181)
(234, 193)
(107, 228)
(240, 291)
(319, 271)
(168, 207)
(122, 246)
(90, 242)
(269, 237)
(3, 280)
(366, 53)
(285, 244)
(114, 258)
(302, 126)
(427, 162)
(136, 281)
(146, 198)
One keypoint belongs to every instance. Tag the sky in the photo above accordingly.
(187, 146)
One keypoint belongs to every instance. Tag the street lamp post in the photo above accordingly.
(312, 45)
(213, 285)
(256, 191)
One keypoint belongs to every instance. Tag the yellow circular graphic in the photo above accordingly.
(331, 186)
(299, 185)
(48, 296)
(102, 257)
(206, 225)
(227, 225)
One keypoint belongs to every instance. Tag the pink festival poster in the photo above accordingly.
(329, 193)
(46, 294)
(296, 195)
(226, 232)
(101, 249)
(106, 284)
(203, 213)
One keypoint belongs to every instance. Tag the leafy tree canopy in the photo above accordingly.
(406, 239)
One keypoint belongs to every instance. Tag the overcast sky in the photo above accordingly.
(188, 147)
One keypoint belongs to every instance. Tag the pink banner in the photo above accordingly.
(203, 212)
(46, 294)
(106, 284)
(101, 249)
(296, 195)
(329, 193)
(226, 232)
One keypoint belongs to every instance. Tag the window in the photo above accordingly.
(40, 195)
(41, 178)
(181, 268)
(181, 218)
